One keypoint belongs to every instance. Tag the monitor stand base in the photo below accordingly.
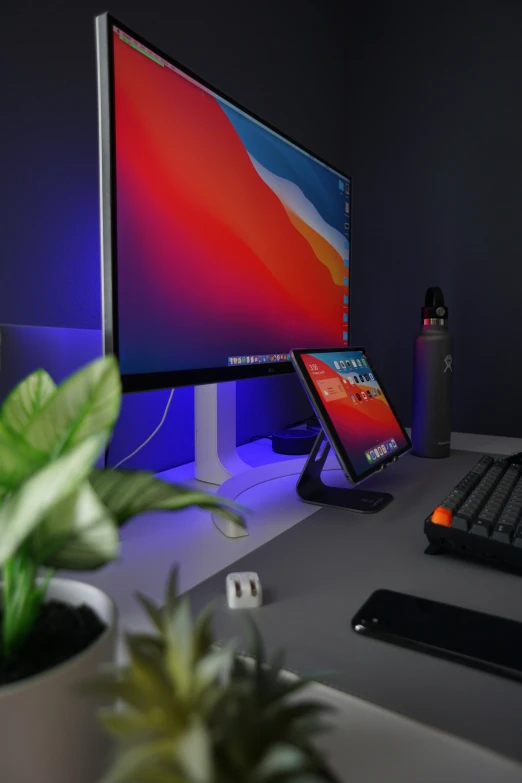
(217, 462)
(312, 489)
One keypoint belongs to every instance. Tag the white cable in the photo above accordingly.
(160, 425)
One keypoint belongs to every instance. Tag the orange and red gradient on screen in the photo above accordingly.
(230, 241)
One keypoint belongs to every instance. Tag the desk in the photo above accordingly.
(152, 543)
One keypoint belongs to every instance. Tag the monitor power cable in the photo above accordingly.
(151, 436)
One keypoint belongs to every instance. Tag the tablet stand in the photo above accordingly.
(311, 489)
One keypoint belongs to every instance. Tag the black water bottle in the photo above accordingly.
(432, 380)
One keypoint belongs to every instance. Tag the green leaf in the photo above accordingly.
(87, 403)
(130, 763)
(203, 636)
(117, 688)
(153, 612)
(24, 511)
(280, 759)
(171, 593)
(78, 534)
(22, 596)
(17, 459)
(26, 400)
(194, 753)
(179, 655)
(214, 666)
(130, 724)
(128, 493)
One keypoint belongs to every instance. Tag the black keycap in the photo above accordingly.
(517, 540)
(471, 516)
(482, 527)
(470, 503)
(451, 505)
(460, 523)
(508, 519)
(455, 497)
(503, 533)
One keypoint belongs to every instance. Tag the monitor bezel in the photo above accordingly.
(109, 250)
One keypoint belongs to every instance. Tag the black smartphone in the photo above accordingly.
(476, 639)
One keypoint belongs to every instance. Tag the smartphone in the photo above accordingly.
(475, 639)
(355, 412)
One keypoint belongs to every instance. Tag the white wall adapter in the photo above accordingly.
(244, 590)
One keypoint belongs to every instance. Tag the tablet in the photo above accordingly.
(350, 402)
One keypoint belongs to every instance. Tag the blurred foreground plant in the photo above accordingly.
(190, 712)
(57, 510)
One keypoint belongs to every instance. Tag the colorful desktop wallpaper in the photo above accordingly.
(230, 240)
(357, 407)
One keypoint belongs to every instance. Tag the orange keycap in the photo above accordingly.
(442, 516)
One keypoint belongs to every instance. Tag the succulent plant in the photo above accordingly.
(188, 711)
(57, 510)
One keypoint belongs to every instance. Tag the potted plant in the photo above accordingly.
(188, 711)
(58, 511)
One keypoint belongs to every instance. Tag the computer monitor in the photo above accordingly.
(225, 244)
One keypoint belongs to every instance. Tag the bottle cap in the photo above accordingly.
(434, 307)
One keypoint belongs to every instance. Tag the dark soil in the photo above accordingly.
(60, 633)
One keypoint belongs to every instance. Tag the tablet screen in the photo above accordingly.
(354, 401)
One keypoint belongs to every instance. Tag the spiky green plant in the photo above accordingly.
(190, 712)
(57, 510)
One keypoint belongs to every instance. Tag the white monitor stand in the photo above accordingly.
(217, 460)
(215, 433)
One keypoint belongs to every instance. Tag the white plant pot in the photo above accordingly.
(48, 729)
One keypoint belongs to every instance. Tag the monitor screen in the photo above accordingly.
(229, 243)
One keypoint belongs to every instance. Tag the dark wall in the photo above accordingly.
(437, 166)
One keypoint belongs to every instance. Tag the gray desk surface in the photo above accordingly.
(319, 572)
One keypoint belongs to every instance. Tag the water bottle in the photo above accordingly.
(432, 380)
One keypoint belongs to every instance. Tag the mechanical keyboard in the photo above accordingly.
(482, 515)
